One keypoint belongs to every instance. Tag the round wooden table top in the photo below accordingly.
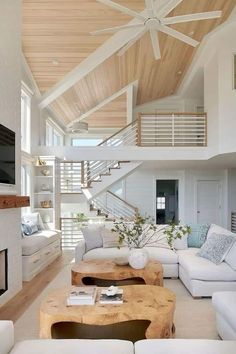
(152, 274)
(140, 302)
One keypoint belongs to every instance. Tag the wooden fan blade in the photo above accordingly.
(130, 43)
(178, 35)
(191, 17)
(167, 8)
(123, 9)
(117, 28)
(155, 44)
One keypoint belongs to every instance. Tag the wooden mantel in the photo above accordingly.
(14, 201)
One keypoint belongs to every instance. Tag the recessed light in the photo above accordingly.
(191, 33)
(55, 62)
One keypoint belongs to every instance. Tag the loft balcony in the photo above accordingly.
(150, 137)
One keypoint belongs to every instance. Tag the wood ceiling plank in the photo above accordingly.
(60, 29)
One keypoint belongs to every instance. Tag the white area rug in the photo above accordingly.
(193, 318)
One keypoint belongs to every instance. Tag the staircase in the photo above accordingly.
(98, 176)
(114, 207)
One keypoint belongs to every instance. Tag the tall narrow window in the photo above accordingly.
(234, 72)
(54, 134)
(25, 120)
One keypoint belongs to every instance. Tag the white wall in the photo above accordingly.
(10, 86)
(231, 193)
(169, 104)
(140, 190)
(227, 96)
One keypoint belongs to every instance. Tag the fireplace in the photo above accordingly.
(3, 272)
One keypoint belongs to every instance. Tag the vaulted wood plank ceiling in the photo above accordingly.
(58, 31)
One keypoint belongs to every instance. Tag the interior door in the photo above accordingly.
(209, 202)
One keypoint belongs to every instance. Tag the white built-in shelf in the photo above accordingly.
(43, 193)
(43, 208)
(44, 176)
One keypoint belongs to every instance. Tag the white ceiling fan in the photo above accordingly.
(156, 21)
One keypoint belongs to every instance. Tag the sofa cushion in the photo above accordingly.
(34, 243)
(163, 255)
(184, 346)
(216, 247)
(92, 236)
(224, 303)
(202, 269)
(216, 229)
(230, 258)
(73, 346)
(198, 235)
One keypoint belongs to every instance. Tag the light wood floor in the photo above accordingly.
(13, 309)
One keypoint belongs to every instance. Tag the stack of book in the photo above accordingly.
(117, 298)
(82, 295)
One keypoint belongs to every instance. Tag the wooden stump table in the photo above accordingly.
(141, 302)
(152, 274)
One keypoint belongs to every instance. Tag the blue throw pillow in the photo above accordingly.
(28, 228)
(198, 235)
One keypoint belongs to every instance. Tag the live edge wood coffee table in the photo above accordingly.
(141, 302)
(152, 274)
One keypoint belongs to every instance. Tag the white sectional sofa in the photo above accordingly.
(224, 303)
(39, 249)
(200, 276)
(81, 346)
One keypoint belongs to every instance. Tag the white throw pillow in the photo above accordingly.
(157, 238)
(92, 236)
(34, 218)
(110, 238)
(181, 243)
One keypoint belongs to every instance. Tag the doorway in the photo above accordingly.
(167, 205)
(209, 202)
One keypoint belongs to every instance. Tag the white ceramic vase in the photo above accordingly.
(138, 258)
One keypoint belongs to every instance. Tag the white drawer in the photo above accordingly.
(32, 262)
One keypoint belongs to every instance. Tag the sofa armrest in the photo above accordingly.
(79, 251)
(6, 336)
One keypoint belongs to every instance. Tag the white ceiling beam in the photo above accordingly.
(103, 103)
(105, 51)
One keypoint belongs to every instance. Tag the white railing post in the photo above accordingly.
(173, 130)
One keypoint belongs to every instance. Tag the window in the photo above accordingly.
(161, 203)
(234, 72)
(25, 120)
(54, 134)
(85, 142)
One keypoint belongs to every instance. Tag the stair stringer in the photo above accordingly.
(116, 175)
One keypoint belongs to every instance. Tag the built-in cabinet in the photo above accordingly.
(46, 193)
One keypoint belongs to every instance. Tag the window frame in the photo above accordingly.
(26, 96)
(53, 134)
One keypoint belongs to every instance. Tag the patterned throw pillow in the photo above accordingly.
(198, 235)
(216, 247)
(29, 228)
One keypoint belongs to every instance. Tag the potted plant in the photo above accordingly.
(81, 219)
(136, 235)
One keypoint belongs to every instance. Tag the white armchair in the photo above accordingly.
(6, 337)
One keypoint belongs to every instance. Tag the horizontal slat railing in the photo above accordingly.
(70, 233)
(233, 222)
(127, 136)
(71, 176)
(111, 204)
(167, 129)
(183, 129)
(93, 170)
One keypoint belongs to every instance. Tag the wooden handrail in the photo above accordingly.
(124, 201)
(119, 131)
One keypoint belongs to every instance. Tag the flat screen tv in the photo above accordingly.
(7, 156)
